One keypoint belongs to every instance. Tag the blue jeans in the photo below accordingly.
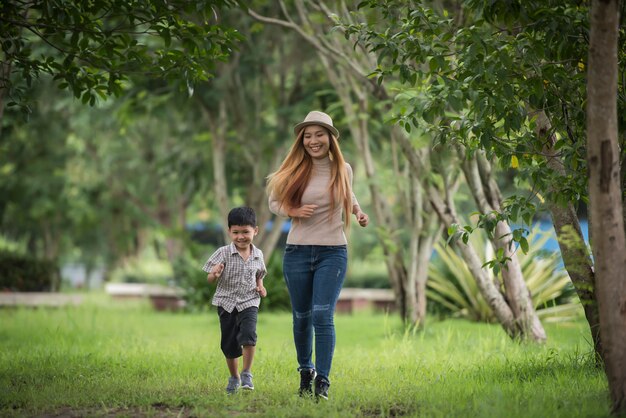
(314, 275)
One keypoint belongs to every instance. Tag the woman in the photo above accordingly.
(313, 186)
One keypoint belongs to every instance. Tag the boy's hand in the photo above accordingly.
(215, 273)
(262, 291)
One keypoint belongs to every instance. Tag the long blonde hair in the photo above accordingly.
(288, 183)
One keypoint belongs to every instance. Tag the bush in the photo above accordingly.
(190, 277)
(144, 270)
(277, 298)
(368, 271)
(452, 289)
(25, 273)
(369, 274)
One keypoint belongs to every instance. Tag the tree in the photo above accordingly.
(90, 48)
(248, 108)
(413, 35)
(605, 193)
(363, 104)
(493, 70)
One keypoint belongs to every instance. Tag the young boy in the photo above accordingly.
(239, 270)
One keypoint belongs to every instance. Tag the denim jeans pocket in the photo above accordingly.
(290, 248)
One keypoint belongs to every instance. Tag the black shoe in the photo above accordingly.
(306, 380)
(321, 388)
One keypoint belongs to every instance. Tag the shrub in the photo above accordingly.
(277, 298)
(190, 277)
(452, 289)
(367, 273)
(144, 270)
(25, 273)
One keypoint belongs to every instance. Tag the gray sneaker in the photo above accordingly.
(233, 385)
(246, 381)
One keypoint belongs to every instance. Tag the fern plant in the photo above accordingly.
(451, 288)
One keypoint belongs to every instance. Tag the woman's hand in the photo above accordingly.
(362, 218)
(304, 211)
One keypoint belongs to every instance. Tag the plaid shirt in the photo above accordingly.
(236, 288)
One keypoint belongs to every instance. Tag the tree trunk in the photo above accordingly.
(605, 194)
(517, 292)
(220, 187)
(420, 262)
(423, 226)
(382, 212)
(488, 289)
(447, 214)
(574, 252)
(2, 94)
(487, 196)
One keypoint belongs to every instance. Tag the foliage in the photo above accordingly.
(189, 276)
(453, 289)
(9, 245)
(144, 270)
(477, 74)
(91, 47)
(277, 298)
(113, 178)
(368, 272)
(45, 195)
(26, 273)
(106, 358)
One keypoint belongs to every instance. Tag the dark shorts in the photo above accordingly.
(238, 329)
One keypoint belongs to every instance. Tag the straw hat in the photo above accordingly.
(317, 118)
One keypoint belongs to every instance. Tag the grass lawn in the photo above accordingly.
(106, 359)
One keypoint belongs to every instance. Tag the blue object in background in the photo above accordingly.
(552, 244)
(286, 226)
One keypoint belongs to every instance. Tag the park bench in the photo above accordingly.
(163, 298)
(354, 299)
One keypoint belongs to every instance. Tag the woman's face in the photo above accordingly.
(316, 141)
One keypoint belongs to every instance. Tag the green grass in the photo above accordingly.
(102, 359)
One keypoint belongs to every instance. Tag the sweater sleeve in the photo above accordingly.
(350, 176)
(276, 208)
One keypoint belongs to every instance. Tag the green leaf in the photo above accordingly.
(524, 244)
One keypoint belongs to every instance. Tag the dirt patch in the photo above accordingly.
(157, 410)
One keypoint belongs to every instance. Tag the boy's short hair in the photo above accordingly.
(242, 216)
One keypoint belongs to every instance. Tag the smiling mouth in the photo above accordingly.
(315, 148)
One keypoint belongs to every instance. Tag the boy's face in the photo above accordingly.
(242, 235)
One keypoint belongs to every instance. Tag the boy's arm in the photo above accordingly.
(259, 282)
(214, 266)
(215, 273)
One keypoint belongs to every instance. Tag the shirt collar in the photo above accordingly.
(255, 251)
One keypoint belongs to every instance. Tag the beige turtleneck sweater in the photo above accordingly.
(319, 229)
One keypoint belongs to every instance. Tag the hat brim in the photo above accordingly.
(302, 125)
